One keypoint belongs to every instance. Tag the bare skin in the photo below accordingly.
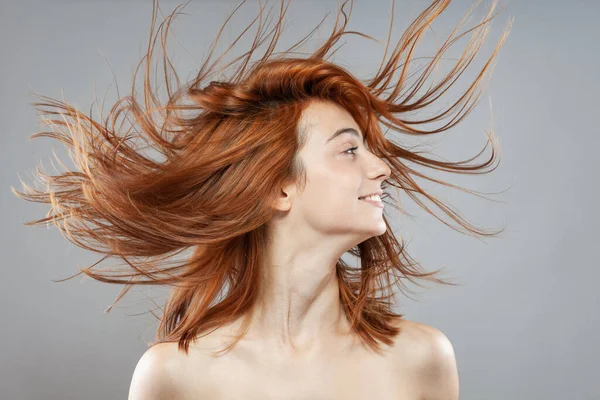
(299, 344)
(342, 369)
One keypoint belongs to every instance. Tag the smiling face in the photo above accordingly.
(337, 175)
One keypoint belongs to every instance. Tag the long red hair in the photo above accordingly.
(219, 161)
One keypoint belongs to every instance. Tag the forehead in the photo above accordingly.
(323, 118)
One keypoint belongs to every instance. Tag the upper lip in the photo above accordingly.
(379, 192)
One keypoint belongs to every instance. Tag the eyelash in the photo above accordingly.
(353, 149)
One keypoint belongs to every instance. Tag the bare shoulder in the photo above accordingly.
(157, 373)
(421, 337)
(427, 354)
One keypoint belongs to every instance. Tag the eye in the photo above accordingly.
(351, 150)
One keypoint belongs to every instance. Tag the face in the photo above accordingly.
(337, 175)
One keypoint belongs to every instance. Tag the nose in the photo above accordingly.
(379, 168)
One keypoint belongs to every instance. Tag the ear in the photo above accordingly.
(284, 200)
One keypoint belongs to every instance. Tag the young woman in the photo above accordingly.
(269, 177)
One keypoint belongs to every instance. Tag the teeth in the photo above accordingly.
(373, 197)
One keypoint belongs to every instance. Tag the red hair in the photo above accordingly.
(224, 155)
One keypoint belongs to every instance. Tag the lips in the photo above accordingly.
(374, 202)
(379, 192)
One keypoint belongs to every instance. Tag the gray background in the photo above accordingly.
(524, 322)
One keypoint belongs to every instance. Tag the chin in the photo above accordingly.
(382, 230)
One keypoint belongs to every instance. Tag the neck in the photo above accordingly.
(298, 309)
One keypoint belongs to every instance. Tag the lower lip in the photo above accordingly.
(373, 202)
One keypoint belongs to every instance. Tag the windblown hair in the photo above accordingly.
(220, 161)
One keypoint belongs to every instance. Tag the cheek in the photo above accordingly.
(332, 197)
(331, 190)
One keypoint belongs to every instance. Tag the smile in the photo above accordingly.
(374, 202)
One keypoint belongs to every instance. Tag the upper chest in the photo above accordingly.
(356, 375)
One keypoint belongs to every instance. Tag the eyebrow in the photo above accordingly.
(345, 130)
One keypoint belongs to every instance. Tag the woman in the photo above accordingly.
(269, 177)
